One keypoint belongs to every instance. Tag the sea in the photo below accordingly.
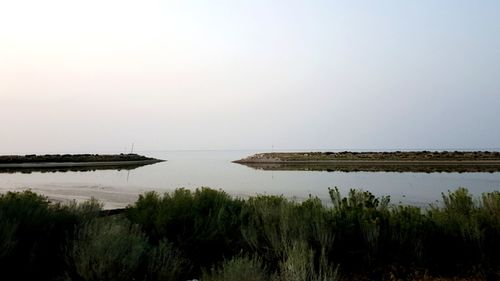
(192, 169)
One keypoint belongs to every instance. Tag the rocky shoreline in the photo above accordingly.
(418, 161)
(424, 157)
(52, 161)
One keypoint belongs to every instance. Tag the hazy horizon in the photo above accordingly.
(250, 151)
(94, 76)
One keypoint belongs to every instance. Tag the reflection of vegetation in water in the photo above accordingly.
(68, 169)
(188, 234)
(398, 161)
(373, 167)
(52, 163)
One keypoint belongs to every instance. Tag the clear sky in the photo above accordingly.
(97, 75)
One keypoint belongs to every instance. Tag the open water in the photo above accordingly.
(194, 169)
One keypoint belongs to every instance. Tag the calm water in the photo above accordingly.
(193, 169)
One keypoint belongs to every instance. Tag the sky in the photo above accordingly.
(99, 75)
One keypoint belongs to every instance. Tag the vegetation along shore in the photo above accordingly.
(11, 163)
(208, 235)
(413, 161)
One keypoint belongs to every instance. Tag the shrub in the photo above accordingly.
(237, 269)
(407, 227)
(107, 249)
(33, 233)
(205, 221)
(176, 235)
(165, 263)
(292, 238)
(360, 222)
(298, 264)
(489, 221)
(454, 238)
(268, 224)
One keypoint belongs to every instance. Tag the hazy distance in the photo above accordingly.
(92, 76)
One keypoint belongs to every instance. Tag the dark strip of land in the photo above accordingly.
(418, 161)
(69, 161)
(63, 169)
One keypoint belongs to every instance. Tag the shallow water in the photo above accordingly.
(193, 169)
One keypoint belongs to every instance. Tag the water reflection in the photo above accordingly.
(193, 169)
(376, 167)
(24, 170)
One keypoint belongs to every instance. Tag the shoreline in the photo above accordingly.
(70, 161)
(29, 165)
(370, 162)
(413, 157)
(418, 161)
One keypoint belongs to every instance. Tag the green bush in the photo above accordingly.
(268, 224)
(176, 235)
(165, 263)
(407, 229)
(203, 221)
(107, 249)
(299, 264)
(292, 238)
(361, 222)
(454, 238)
(238, 269)
(33, 234)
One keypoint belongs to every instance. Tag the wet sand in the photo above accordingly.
(110, 197)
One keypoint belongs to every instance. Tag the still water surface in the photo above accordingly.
(193, 169)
